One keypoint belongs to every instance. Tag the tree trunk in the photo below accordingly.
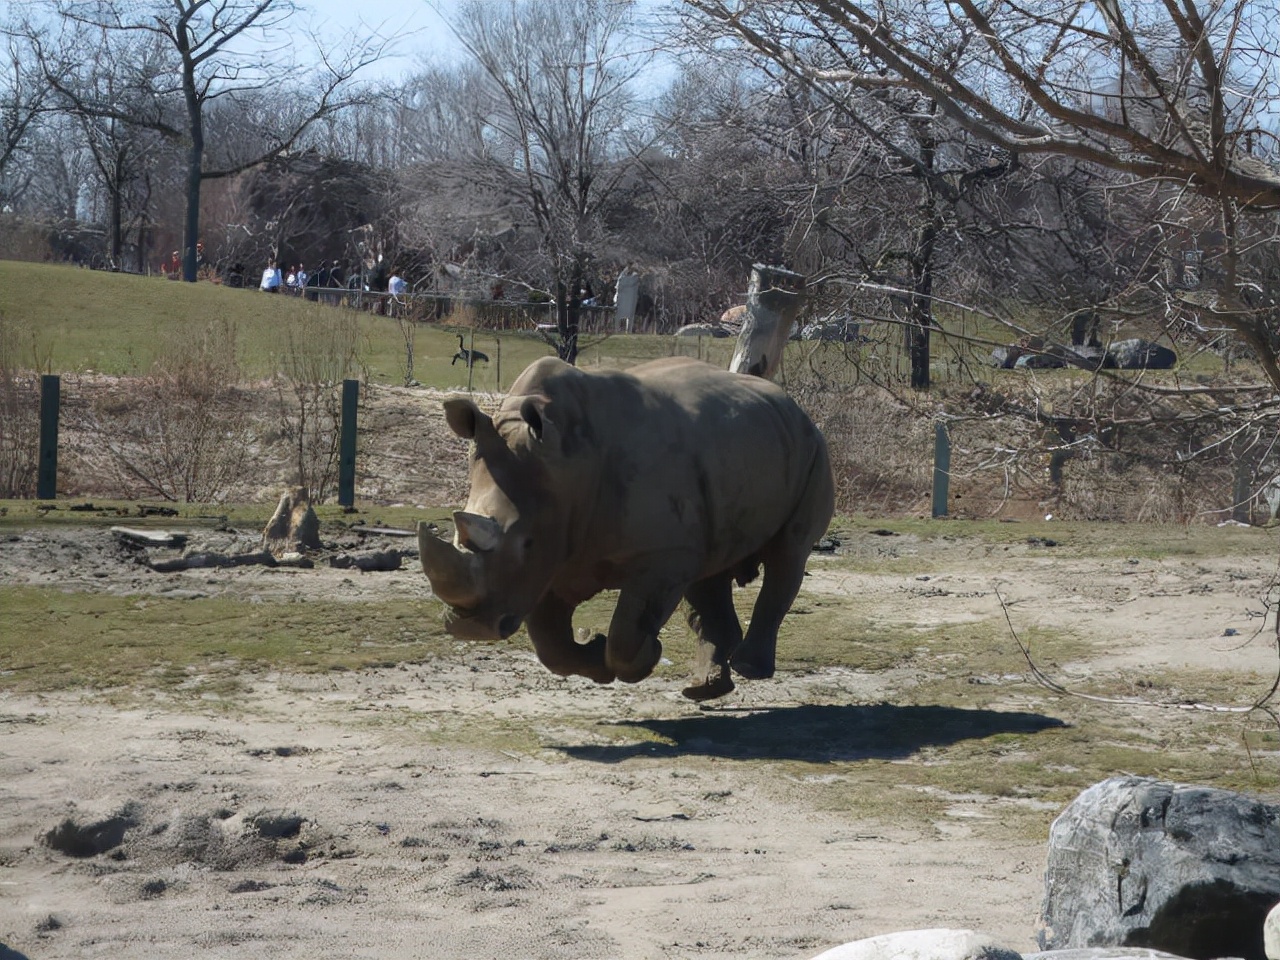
(195, 155)
(191, 224)
(920, 319)
(774, 299)
(567, 314)
(117, 239)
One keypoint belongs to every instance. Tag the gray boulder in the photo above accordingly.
(838, 330)
(1106, 953)
(1140, 862)
(1139, 355)
(923, 945)
(1039, 361)
(1003, 358)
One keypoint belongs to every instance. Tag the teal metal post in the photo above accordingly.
(347, 445)
(47, 472)
(941, 468)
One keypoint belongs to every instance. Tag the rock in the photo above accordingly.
(294, 527)
(375, 561)
(1039, 361)
(1141, 862)
(838, 330)
(923, 945)
(1139, 354)
(1084, 355)
(1271, 934)
(1105, 953)
(1004, 358)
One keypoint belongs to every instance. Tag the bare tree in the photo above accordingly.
(221, 50)
(1173, 94)
(1173, 91)
(862, 144)
(121, 151)
(557, 124)
(24, 95)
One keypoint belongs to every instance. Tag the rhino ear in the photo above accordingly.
(477, 533)
(531, 413)
(465, 418)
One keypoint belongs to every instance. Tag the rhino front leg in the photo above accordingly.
(632, 649)
(713, 618)
(550, 628)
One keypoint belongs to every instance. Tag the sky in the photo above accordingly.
(417, 26)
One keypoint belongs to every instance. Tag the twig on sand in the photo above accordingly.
(1263, 704)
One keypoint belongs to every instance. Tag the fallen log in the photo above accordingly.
(200, 561)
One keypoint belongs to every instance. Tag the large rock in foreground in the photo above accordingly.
(923, 945)
(1138, 862)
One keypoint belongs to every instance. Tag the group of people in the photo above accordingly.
(298, 281)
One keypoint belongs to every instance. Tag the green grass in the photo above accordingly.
(963, 719)
(71, 320)
(57, 641)
(18, 514)
(77, 320)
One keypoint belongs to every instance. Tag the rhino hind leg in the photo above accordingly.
(755, 658)
(715, 621)
(551, 630)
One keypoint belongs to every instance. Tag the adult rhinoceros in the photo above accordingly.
(670, 480)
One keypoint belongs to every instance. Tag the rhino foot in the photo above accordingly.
(710, 688)
(752, 671)
(594, 667)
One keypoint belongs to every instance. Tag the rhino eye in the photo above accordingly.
(528, 543)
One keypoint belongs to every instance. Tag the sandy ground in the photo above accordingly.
(350, 815)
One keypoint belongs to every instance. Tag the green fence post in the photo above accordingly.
(941, 468)
(47, 472)
(347, 445)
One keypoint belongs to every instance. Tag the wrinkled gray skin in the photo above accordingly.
(668, 481)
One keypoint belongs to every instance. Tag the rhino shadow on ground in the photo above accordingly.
(813, 732)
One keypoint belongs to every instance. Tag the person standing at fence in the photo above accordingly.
(397, 286)
(271, 278)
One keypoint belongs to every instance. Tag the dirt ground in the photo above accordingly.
(353, 814)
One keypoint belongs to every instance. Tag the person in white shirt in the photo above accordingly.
(271, 278)
(397, 286)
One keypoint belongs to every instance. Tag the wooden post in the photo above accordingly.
(47, 472)
(1242, 492)
(471, 358)
(497, 362)
(347, 444)
(941, 468)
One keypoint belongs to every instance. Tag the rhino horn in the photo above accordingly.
(452, 575)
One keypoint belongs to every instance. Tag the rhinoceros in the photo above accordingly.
(670, 480)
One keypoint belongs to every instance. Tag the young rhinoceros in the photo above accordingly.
(672, 479)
